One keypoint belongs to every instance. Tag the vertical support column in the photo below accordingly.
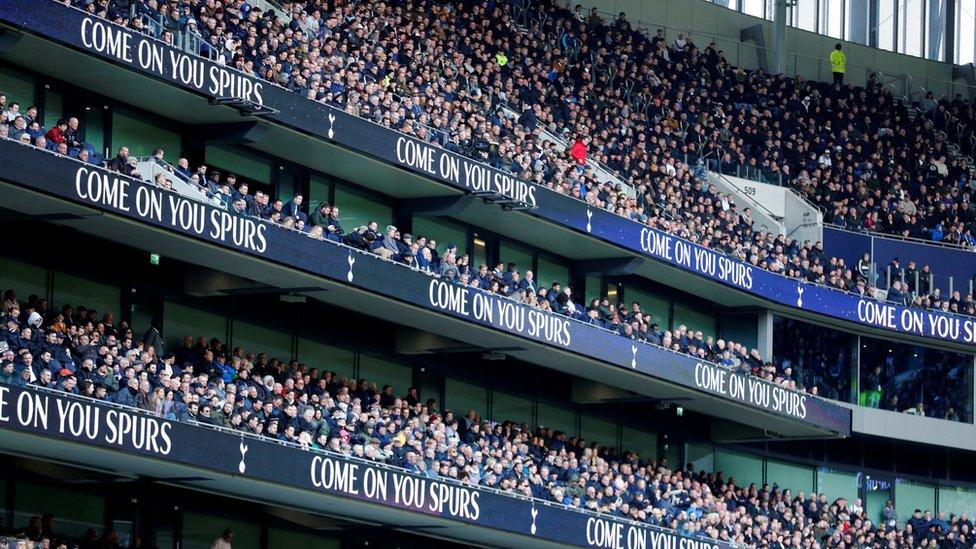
(764, 335)
(778, 49)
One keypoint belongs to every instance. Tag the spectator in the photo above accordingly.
(838, 65)
(224, 541)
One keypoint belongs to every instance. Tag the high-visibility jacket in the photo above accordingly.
(838, 61)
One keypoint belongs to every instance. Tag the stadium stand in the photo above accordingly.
(805, 373)
(561, 79)
(615, 116)
(206, 382)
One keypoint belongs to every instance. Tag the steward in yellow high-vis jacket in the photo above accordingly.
(838, 64)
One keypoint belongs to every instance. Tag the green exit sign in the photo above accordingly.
(154, 259)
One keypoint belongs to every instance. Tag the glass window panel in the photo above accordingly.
(671, 454)
(358, 208)
(911, 496)
(461, 397)
(694, 319)
(834, 17)
(280, 537)
(19, 87)
(820, 357)
(643, 443)
(909, 375)
(521, 256)
(180, 321)
(319, 191)
(558, 419)
(251, 166)
(965, 31)
(911, 26)
(142, 135)
(384, 372)
(75, 510)
(24, 278)
(652, 303)
(597, 430)
(82, 291)
(287, 184)
(326, 357)
(837, 484)
(935, 31)
(755, 8)
(856, 21)
(479, 252)
(200, 531)
(506, 407)
(93, 129)
(593, 288)
(886, 24)
(700, 456)
(788, 476)
(875, 502)
(549, 271)
(53, 108)
(442, 231)
(806, 15)
(745, 469)
(953, 499)
(258, 339)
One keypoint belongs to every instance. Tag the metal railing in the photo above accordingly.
(149, 167)
(909, 239)
(185, 38)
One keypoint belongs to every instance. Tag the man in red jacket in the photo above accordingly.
(56, 134)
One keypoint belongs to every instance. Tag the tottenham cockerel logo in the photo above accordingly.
(352, 261)
(331, 132)
(589, 218)
(242, 466)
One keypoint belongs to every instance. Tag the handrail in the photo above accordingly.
(910, 239)
(751, 200)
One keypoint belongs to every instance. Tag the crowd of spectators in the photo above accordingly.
(508, 280)
(41, 532)
(87, 352)
(671, 194)
(542, 102)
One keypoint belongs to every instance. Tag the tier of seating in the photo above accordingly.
(86, 352)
